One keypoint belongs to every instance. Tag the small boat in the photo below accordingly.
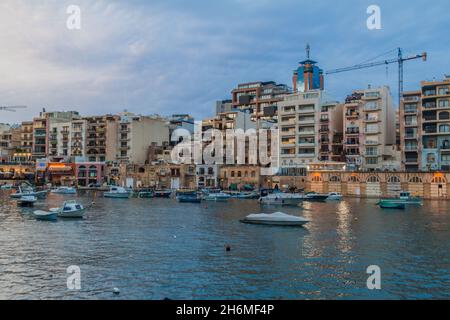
(334, 196)
(45, 215)
(6, 187)
(117, 192)
(192, 197)
(145, 194)
(162, 193)
(220, 196)
(64, 190)
(277, 218)
(388, 204)
(70, 209)
(27, 201)
(283, 199)
(313, 196)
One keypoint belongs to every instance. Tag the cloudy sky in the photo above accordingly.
(170, 56)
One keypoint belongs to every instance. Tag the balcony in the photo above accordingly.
(411, 110)
(429, 105)
(411, 123)
(372, 142)
(324, 130)
(306, 133)
(411, 136)
(411, 148)
(352, 131)
(371, 119)
(352, 114)
(411, 160)
(374, 131)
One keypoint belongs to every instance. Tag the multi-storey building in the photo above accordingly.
(137, 133)
(261, 98)
(101, 138)
(369, 130)
(224, 106)
(410, 119)
(310, 129)
(26, 138)
(425, 127)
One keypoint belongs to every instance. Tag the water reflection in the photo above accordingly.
(156, 248)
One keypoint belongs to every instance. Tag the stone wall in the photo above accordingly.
(380, 184)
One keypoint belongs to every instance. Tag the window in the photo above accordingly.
(335, 179)
(443, 103)
(431, 158)
(444, 128)
(373, 179)
(394, 179)
(372, 161)
(353, 179)
(316, 179)
(444, 115)
(415, 180)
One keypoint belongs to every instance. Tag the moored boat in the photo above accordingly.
(283, 199)
(27, 200)
(117, 192)
(277, 218)
(314, 196)
(219, 196)
(45, 215)
(29, 192)
(64, 190)
(162, 193)
(188, 196)
(388, 204)
(334, 196)
(70, 209)
(247, 195)
(6, 187)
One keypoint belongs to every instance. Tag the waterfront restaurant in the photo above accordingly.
(59, 173)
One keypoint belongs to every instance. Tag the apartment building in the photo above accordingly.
(101, 138)
(45, 142)
(310, 129)
(260, 98)
(370, 130)
(425, 127)
(410, 120)
(135, 134)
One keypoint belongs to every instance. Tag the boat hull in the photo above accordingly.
(391, 205)
(45, 216)
(275, 223)
(116, 195)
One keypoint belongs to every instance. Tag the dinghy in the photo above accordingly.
(45, 215)
(27, 201)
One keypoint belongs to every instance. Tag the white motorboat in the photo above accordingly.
(45, 215)
(117, 192)
(70, 209)
(27, 200)
(6, 187)
(64, 190)
(334, 196)
(219, 196)
(277, 218)
(283, 199)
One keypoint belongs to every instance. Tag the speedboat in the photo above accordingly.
(313, 196)
(388, 204)
(334, 196)
(277, 218)
(117, 192)
(70, 209)
(283, 199)
(45, 215)
(27, 200)
(220, 196)
(64, 190)
(162, 193)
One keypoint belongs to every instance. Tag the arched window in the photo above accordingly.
(316, 179)
(253, 174)
(353, 179)
(335, 179)
(394, 179)
(239, 174)
(439, 180)
(141, 170)
(232, 174)
(415, 180)
(373, 179)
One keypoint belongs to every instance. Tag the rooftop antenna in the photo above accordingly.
(308, 51)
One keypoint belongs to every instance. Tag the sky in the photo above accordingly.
(172, 56)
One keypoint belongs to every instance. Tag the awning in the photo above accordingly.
(64, 169)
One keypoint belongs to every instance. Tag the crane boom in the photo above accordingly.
(11, 108)
(400, 59)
